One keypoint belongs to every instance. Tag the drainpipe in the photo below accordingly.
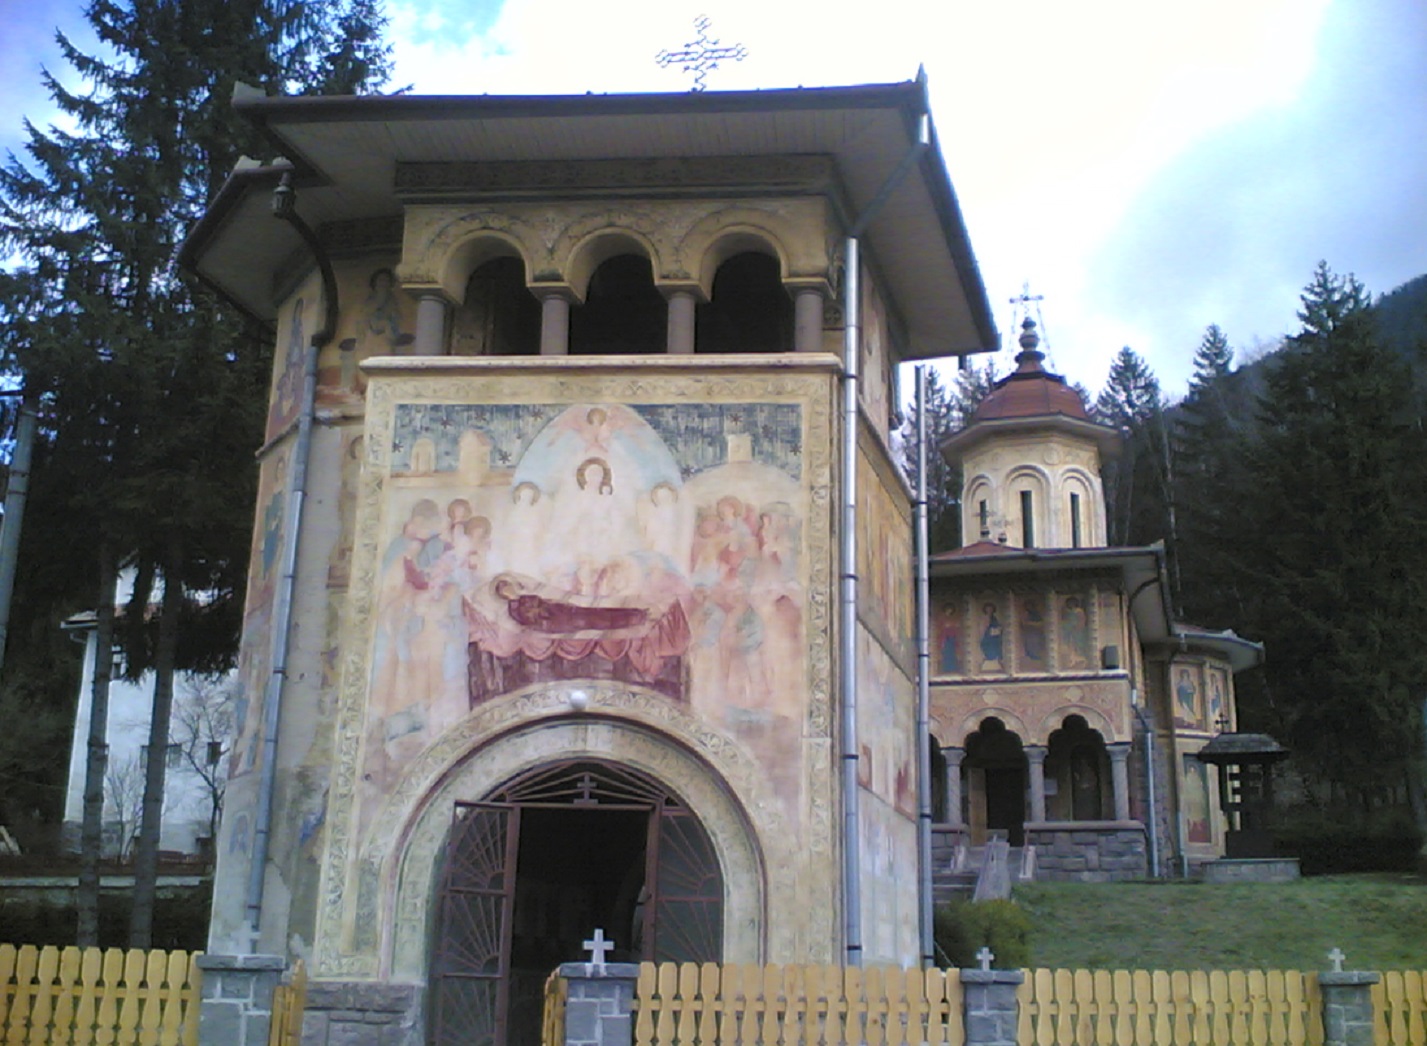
(16, 492)
(851, 344)
(924, 758)
(284, 206)
(1153, 825)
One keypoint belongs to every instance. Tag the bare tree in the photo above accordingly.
(203, 732)
(124, 788)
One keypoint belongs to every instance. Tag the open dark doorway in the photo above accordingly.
(531, 874)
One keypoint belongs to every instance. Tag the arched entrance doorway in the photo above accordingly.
(533, 871)
(995, 767)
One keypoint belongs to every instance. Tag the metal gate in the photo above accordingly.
(682, 913)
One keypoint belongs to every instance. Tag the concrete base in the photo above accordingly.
(1251, 870)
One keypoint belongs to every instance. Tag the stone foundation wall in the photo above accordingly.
(362, 1013)
(1089, 851)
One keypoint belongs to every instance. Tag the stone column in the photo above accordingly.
(1035, 764)
(953, 757)
(554, 325)
(599, 1004)
(807, 320)
(990, 1010)
(1120, 778)
(1347, 1006)
(236, 1008)
(681, 323)
(430, 325)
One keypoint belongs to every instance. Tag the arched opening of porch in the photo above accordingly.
(995, 771)
(499, 316)
(749, 310)
(623, 313)
(1077, 773)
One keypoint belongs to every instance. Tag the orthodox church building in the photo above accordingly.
(582, 592)
(1067, 702)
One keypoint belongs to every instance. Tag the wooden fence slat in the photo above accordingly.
(42, 1003)
(1414, 991)
(22, 1001)
(1162, 999)
(1132, 986)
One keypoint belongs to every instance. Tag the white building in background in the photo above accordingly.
(198, 742)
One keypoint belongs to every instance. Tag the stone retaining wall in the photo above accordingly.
(1089, 851)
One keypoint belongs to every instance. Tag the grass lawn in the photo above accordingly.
(1380, 922)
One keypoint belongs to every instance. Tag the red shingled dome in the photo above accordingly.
(1030, 391)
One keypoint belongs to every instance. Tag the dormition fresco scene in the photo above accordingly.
(378, 319)
(654, 545)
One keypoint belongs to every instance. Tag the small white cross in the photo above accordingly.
(597, 946)
(984, 957)
(1336, 957)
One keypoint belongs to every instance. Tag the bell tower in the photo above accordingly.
(1030, 460)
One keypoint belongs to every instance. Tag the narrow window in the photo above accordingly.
(1074, 520)
(1028, 523)
(985, 514)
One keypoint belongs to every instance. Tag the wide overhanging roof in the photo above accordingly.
(344, 151)
(1142, 569)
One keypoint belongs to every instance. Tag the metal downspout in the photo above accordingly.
(285, 208)
(924, 759)
(16, 492)
(847, 683)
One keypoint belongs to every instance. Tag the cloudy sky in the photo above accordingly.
(1149, 167)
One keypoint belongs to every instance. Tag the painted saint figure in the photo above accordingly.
(992, 639)
(1074, 634)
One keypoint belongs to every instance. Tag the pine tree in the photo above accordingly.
(165, 384)
(1137, 483)
(1337, 547)
(948, 410)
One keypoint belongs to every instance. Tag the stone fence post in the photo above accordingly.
(237, 1001)
(599, 1003)
(989, 1002)
(1347, 1007)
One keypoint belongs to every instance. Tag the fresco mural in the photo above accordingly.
(949, 642)
(1197, 826)
(1075, 635)
(288, 369)
(886, 710)
(654, 545)
(264, 566)
(884, 557)
(990, 629)
(382, 325)
(1218, 717)
(1032, 649)
(1188, 691)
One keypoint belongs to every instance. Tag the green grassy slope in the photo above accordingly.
(1380, 922)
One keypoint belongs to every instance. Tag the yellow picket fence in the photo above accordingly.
(289, 1003)
(703, 1005)
(74, 997)
(1400, 1008)
(88, 997)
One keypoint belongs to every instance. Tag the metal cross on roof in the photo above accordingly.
(985, 957)
(701, 55)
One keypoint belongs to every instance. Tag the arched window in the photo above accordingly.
(749, 311)
(623, 312)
